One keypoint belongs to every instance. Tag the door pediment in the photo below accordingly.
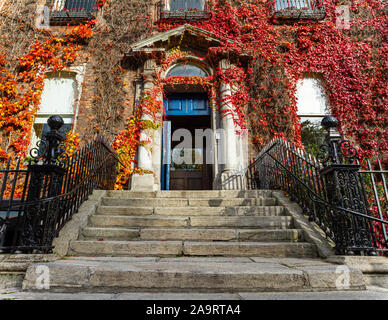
(186, 36)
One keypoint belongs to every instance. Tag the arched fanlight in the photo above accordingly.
(186, 70)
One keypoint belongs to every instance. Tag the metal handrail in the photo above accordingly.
(54, 187)
(319, 198)
(310, 183)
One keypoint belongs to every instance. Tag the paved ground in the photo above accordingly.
(372, 293)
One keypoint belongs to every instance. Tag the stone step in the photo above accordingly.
(189, 275)
(244, 249)
(126, 234)
(282, 222)
(125, 194)
(125, 211)
(126, 248)
(193, 211)
(179, 202)
(191, 248)
(221, 234)
(123, 234)
(137, 221)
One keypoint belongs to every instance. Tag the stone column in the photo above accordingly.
(146, 182)
(229, 140)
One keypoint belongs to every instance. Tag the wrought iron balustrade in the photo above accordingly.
(185, 10)
(298, 9)
(39, 197)
(346, 199)
(66, 11)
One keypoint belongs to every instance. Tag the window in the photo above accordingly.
(186, 70)
(298, 9)
(58, 98)
(312, 108)
(292, 4)
(186, 9)
(312, 100)
(61, 11)
(186, 4)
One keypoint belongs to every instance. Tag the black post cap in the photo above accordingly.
(330, 122)
(55, 122)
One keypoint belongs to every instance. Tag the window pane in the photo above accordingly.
(187, 4)
(186, 70)
(311, 97)
(58, 95)
(77, 5)
(59, 5)
(292, 4)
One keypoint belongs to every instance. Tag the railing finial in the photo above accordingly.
(50, 149)
(336, 150)
(331, 123)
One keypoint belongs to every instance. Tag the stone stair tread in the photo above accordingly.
(126, 248)
(197, 234)
(249, 248)
(179, 202)
(197, 211)
(283, 222)
(192, 248)
(190, 194)
(169, 275)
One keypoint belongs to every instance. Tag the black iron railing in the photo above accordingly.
(298, 9)
(67, 11)
(346, 203)
(185, 10)
(38, 199)
(374, 175)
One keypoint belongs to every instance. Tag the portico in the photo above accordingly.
(186, 102)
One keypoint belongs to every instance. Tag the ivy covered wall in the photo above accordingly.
(351, 62)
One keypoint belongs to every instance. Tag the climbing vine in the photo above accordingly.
(351, 63)
(23, 68)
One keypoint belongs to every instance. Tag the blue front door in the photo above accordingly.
(177, 107)
(187, 104)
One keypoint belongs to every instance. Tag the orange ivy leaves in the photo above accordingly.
(128, 141)
(20, 91)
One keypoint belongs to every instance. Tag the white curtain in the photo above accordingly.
(58, 5)
(311, 96)
(58, 96)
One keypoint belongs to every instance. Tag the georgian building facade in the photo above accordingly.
(187, 106)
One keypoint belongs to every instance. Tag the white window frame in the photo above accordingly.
(41, 118)
(314, 117)
(168, 8)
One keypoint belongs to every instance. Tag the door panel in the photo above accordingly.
(189, 111)
(183, 104)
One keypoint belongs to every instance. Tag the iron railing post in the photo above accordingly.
(344, 189)
(47, 172)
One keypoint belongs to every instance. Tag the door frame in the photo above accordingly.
(166, 141)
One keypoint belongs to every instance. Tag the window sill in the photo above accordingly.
(302, 14)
